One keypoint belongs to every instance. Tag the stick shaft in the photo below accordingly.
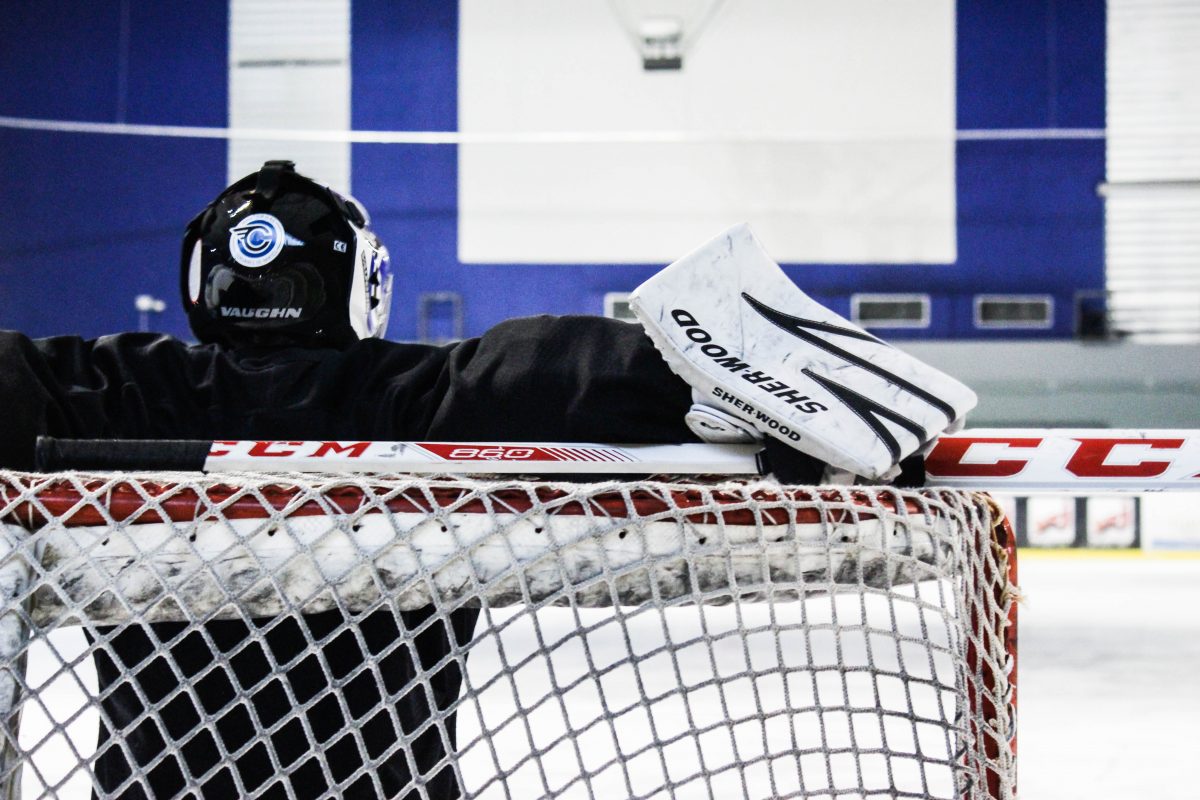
(1000, 459)
(415, 457)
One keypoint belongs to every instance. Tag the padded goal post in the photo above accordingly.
(635, 639)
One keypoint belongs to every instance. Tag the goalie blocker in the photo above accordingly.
(757, 349)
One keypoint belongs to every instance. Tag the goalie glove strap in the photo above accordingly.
(789, 465)
(720, 427)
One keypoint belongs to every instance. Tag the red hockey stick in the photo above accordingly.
(1004, 459)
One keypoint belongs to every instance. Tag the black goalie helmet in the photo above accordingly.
(280, 259)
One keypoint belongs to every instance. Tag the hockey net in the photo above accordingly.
(646, 639)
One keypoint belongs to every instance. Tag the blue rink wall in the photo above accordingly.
(91, 221)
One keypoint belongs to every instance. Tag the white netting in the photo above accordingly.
(302, 636)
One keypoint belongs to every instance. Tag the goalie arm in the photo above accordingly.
(532, 379)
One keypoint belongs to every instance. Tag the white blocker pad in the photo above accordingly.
(731, 324)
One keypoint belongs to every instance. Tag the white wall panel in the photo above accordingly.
(289, 67)
(847, 110)
(1152, 224)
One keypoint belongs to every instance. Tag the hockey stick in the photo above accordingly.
(1001, 459)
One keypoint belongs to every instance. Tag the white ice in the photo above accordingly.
(723, 679)
(1109, 696)
(1109, 682)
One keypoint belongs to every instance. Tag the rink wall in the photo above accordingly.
(91, 221)
(1164, 522)
(1084, 385)
(1068, 384)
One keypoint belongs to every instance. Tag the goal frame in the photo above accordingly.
(120, 504)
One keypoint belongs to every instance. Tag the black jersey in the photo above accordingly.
(549, 378)
(540, 378)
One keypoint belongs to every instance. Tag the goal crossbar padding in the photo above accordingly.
(153, 549)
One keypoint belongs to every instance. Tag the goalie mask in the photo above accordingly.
(280, 259)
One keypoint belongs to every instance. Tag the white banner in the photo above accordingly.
(1111, 522)
(1050, 521)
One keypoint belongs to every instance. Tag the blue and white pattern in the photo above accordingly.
(256, 240)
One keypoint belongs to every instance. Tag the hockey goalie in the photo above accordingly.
(288, 290)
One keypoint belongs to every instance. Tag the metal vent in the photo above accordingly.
(439, 317)
(1014, 311)
(616, 306)
(890, 310)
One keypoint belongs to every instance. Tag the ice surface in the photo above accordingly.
(1109, 694)
(1109, 678)
(831, 710)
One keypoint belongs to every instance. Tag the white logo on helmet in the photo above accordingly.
(256, 240)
